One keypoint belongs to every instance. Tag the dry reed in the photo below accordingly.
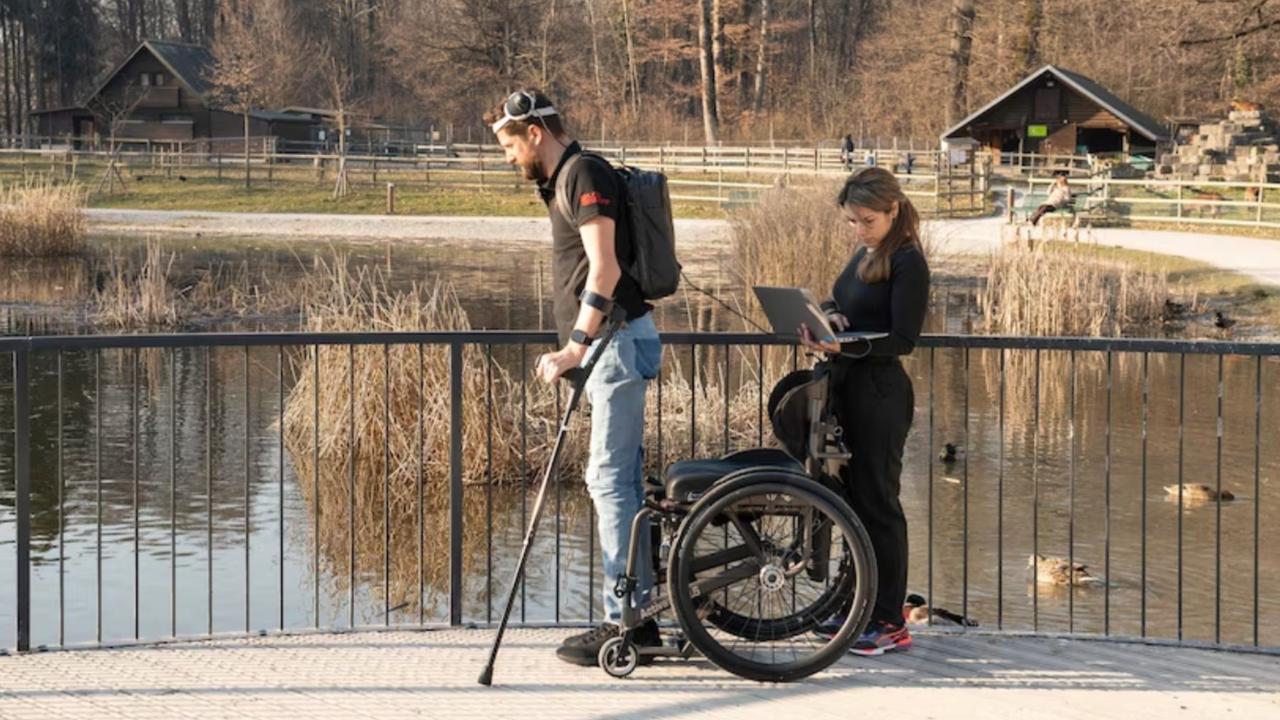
(40, 218)
(1058, 290)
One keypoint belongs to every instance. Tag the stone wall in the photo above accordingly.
(1243, 148)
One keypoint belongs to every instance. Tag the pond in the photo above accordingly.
(183, 460)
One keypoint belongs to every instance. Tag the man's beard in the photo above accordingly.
(534, 170)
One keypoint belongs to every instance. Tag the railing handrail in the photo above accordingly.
(24, 382)
(531, 337)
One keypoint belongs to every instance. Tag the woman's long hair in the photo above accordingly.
(875, 188)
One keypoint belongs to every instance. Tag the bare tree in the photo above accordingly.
(710, 120)
(1031, 35)
(762, 57)
(113, 108)
(238, 69)
(962, 14)
(339, 86)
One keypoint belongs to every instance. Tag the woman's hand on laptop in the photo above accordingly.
(807, 340)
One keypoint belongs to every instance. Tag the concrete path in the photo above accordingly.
(432, 674)
(1256, 257)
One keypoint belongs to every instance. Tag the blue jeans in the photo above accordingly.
(615, 479)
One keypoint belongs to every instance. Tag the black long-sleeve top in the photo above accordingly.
(896, 306)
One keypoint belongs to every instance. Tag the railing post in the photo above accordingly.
(22, 468)
(455, 483)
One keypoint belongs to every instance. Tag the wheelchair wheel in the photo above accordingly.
(740, 576)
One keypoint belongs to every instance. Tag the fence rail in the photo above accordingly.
(945, 367)
(1115, 200)
(699, 175)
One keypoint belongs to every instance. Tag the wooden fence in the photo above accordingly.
(1180, 202)
(722, 175)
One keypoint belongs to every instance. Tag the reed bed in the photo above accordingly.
(1057, 290)
(41, 218)
(148, 292)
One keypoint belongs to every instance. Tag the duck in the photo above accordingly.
(1058, 571)
(1222, 321)
(1173, 309)
(950, 453)
(1198, 493)
(916, 611)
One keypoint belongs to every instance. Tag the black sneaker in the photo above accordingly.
(594, 636)
(584, 648)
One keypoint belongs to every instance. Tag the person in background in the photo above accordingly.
(1059, 197)
(846, 152)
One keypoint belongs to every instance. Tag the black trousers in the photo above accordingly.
(1041, 212)
(875, 403)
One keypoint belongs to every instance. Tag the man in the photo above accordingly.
(590, 246)
(846, 152)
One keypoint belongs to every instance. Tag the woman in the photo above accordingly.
(1059, 197)
(884, 288)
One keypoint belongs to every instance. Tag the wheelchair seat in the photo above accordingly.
(688, 480)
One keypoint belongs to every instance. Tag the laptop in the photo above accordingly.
(790, 307)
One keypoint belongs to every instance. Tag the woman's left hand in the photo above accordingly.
(807, 340)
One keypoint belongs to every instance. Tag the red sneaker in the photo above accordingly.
(881, 638)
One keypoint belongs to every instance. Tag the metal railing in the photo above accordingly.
(952, 527)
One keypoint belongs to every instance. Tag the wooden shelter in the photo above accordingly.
(162, 92)
(1054, 111)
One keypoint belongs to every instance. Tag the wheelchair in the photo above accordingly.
(753, 551)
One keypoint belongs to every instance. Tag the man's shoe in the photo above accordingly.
(830, 626)
(881, 638)
(584, 649)
(591, 636)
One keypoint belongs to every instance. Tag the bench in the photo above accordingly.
(1083, 206)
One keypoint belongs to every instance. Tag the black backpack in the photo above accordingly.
(653, 237)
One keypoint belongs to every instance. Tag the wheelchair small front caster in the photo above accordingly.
(618, 659)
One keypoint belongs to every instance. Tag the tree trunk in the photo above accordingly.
(762, 57)
(632, 75)
(546, 42)
(1031, 43)
(182, 13)
(710, 121)
(813, 39)
(744, 74)
(595, 52)
(25, 66)
(717, 52)
(961, 44)
(5, 46)
(247, 174)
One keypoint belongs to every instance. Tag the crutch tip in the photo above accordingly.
(486, 677)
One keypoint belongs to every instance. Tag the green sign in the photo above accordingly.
(1037, 131)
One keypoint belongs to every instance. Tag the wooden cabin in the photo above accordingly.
(162, 93)
(1054, 111)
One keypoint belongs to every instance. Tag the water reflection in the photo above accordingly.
(1060, 471)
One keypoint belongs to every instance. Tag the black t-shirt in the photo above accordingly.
(896, 306)
(594, 190)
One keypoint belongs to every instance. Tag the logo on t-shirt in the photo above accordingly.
(593, 198)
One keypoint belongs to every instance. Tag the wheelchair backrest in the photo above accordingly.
(799, 411)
